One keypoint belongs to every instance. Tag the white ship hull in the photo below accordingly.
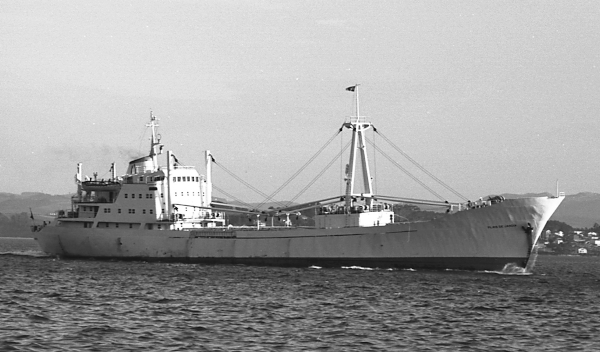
(486, 238)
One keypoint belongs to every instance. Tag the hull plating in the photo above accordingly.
(479, 239)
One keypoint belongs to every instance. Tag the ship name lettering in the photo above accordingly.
(501, 226)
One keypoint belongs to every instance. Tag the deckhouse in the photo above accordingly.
(148, 196)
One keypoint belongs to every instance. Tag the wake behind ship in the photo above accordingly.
(167, 213)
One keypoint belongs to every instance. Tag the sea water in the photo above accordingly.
(47, 303)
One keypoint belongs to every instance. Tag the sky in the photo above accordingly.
(490, 97)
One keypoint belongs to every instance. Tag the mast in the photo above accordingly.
(359, 148)
(169, 156)
(155, 146)
(78, 180)
(208, 196)
(113, 172)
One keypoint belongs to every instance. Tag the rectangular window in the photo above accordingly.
(179, 179)
(162, 195)
(143, 211)
(159, 226)
(125, 195)
(140, 196)
(188, 178)
(117, 225)
(141, 178)
(130, 226)
(151, 211)
(174, 179)
(132, 195)
(119, 211)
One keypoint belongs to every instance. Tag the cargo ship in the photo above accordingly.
(167, 213)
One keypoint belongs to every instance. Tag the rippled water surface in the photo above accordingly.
(86, 305)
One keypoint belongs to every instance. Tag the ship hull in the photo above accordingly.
(487, 238)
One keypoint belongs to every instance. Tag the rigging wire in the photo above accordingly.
(142, 135)
(270, 197)
(374, 162)
(249, 206)
(341, 166)
(245, 183)
(406, 171)
(414, 162)
(320, 174)
(342, 150)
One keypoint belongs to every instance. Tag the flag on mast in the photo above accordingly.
(31, 212)
(351, 88)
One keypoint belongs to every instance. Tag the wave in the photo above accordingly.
(27, 253)
(511, 269)
(20, 246)
(354, 267)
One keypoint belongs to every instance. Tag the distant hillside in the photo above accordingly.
(580, 210)
(40, 203)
